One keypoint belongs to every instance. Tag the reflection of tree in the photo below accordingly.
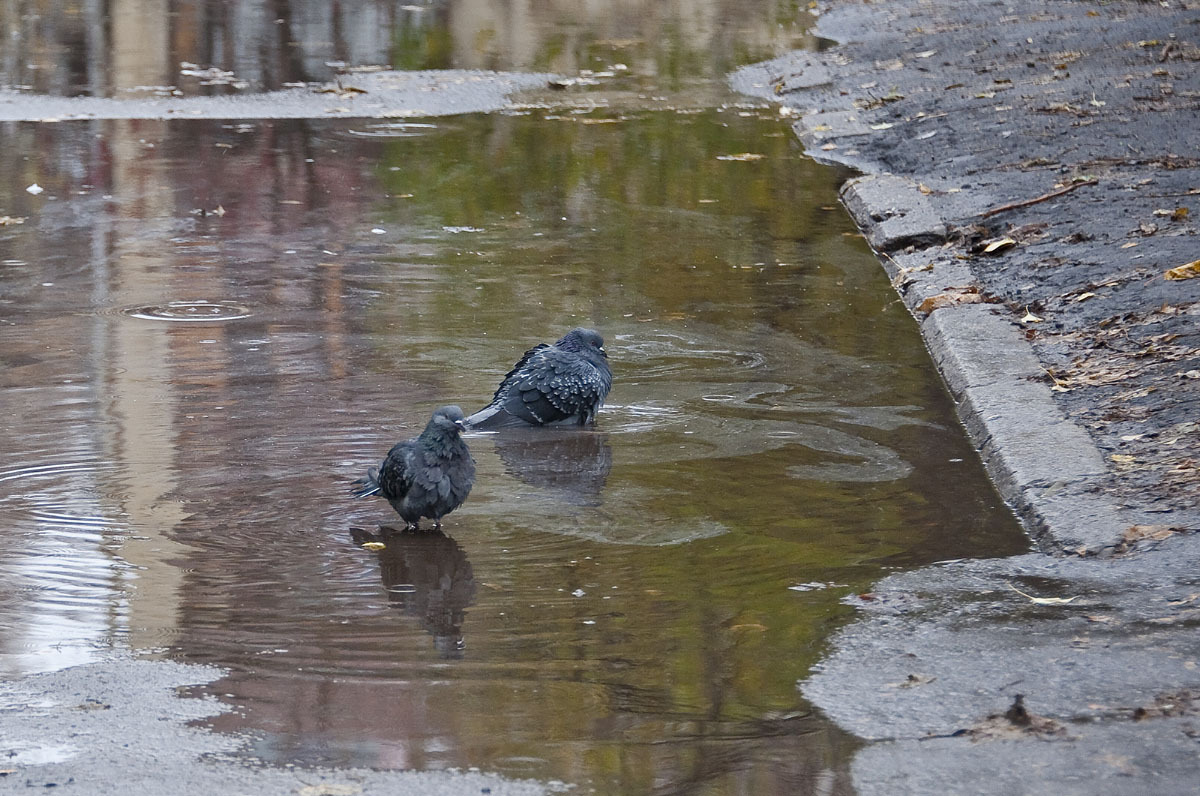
(571, 463)
(427, 575)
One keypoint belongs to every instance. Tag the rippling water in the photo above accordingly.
(629, 607)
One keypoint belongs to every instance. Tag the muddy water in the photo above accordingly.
(201, 354)
(208, 330)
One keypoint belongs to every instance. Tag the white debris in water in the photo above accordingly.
(35, 189)
(578, 593)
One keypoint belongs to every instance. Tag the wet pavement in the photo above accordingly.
(210, 328)
(1029, 180)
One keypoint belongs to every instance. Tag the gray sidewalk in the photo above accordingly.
(1032, 181)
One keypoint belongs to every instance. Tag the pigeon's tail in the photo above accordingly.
(364, 487)
(490, 416)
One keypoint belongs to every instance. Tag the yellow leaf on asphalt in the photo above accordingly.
(1030, 317)
(998, 245)
(373, 545)
(1189, 271)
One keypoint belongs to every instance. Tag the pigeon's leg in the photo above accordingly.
(437, 523)
(412, 526)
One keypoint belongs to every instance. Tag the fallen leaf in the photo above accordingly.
(373, 546)
(1188, 271)
(1084, 296)
(1147, 229)
(950, 299)
(1029, 317)
(1129, 245)
(1043, 600)
(883, 126)
(1179, 214)
(1123, 458)
(6, 221)
(998, 245)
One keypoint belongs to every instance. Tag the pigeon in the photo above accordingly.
(560, 384)
(427, 476)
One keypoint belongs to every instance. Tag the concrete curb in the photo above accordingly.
(1042, 463)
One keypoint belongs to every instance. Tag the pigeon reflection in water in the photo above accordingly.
(571, 464)
(428, 576)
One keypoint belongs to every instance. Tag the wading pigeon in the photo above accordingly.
(560, 384)
(428, 476)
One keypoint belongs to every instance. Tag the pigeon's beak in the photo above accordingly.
(462, 424)
(603, 353)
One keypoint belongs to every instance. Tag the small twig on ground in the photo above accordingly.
(1043, 198)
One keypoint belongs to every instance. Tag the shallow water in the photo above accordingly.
(628, 608)
(208, 330)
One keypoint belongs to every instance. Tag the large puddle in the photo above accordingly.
(208, 330)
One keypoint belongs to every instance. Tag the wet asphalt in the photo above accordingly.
(1030, 180)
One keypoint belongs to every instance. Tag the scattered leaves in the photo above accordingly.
(1143, 533)
(1016, 722)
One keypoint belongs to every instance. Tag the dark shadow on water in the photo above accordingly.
(427, 575)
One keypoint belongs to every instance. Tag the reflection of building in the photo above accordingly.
(100, 47)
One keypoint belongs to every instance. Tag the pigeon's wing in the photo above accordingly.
(441, 480)
(396, 473)
(462, 477)
(517, 370)
(556, 386)
(431, 476)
